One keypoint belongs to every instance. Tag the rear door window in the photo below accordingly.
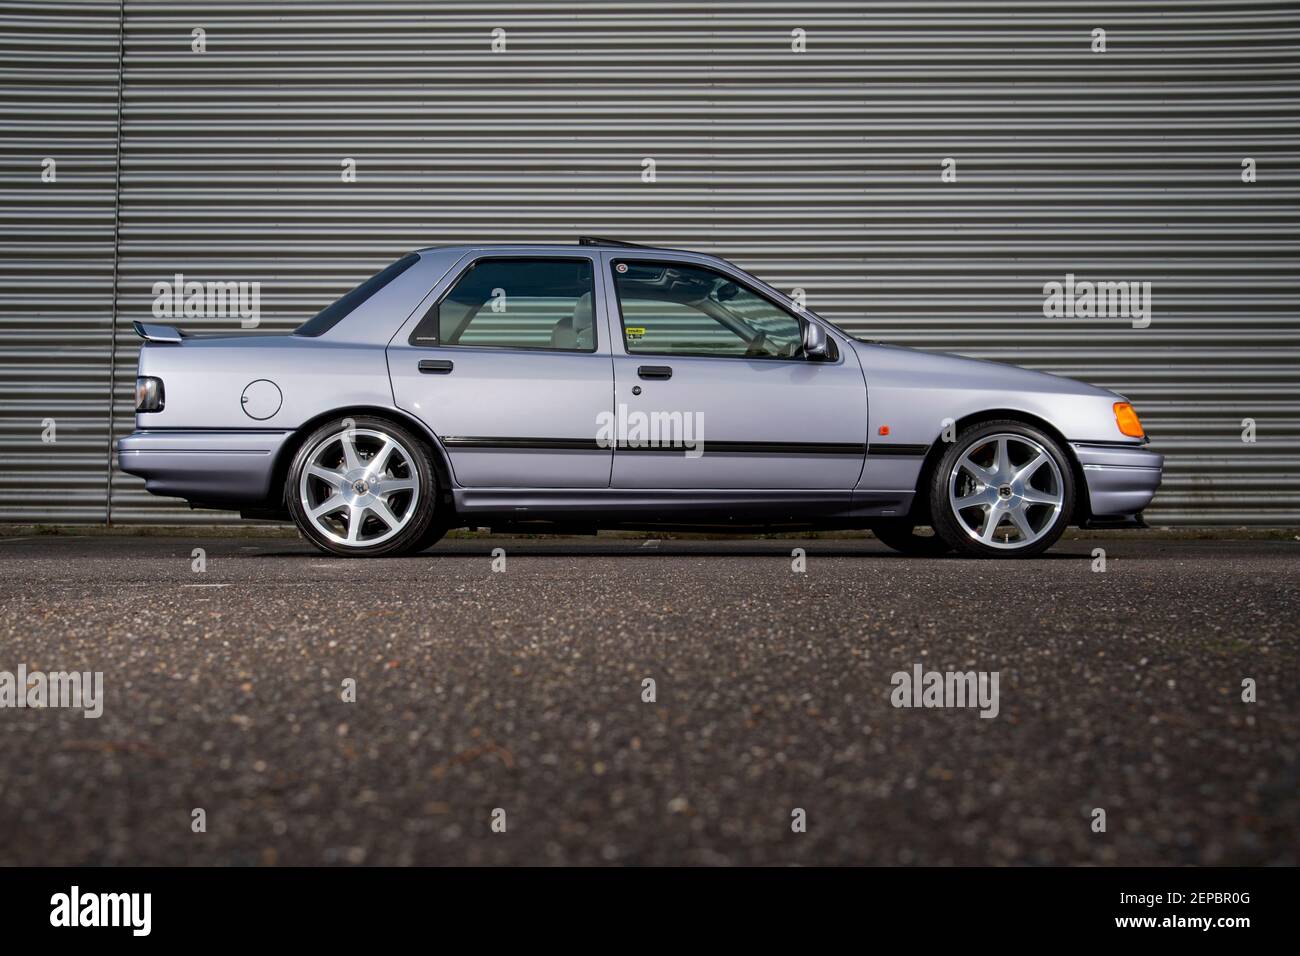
(545, 304)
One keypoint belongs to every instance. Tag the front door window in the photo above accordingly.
(679, 309)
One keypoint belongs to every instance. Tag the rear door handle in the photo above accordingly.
(655, 371)
(436, 366)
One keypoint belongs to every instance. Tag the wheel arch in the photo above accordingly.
(921, 500)
(437, 456)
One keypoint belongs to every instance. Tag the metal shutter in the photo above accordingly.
(819, 170)
(58, 101)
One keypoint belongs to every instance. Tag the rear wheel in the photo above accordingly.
(907, 538)
(1004, 489)
(363, 487)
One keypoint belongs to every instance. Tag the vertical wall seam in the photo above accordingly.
(117, 226)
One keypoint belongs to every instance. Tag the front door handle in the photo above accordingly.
(436, 366)
(655, 371)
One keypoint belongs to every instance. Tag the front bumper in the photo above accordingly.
(212, 467)
(1121, 479)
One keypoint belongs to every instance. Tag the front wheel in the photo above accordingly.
(1004, 489)
(362, 487)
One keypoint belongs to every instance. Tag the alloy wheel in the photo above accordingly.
(359, 487)
(1006, 491)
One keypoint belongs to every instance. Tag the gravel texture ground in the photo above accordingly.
(522, 690)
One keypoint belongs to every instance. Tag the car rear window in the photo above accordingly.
(332, 314)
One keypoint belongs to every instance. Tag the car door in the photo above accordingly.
(509, 367)
(722, 363)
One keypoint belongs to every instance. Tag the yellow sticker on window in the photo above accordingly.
(634, 331)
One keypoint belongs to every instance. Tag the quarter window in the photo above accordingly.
(516, 303)
(333, 314)
(678, 309)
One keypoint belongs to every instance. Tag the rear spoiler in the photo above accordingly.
(158, 333)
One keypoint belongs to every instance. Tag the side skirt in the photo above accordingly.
(619, 507)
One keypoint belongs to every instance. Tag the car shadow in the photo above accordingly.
(478, 551)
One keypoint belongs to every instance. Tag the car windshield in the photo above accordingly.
(332, 314)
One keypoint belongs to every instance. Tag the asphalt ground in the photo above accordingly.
(521, 690)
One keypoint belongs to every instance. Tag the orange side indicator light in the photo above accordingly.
(1127, 420)
(884, 429)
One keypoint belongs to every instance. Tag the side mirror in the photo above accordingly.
(815, 346)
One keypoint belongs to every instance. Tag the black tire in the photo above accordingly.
(436, 531)
(967, 529)
(375, 537)
(902, 536)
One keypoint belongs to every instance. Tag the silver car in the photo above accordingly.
(610, 385)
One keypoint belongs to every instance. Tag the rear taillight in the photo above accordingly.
(148, 394)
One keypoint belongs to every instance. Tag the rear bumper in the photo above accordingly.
(213, 467)
(1121, 479)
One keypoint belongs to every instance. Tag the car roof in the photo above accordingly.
(584, 245)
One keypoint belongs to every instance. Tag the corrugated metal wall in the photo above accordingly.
(58, 159)
(818, 169)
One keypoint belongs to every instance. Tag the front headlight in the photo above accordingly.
(148, 394)
(1127, 420)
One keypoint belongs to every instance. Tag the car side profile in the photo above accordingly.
(607, 385)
